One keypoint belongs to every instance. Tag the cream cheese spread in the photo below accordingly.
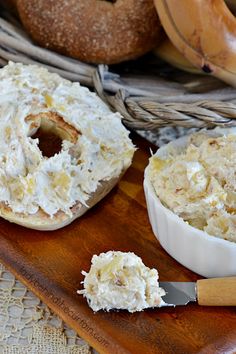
(199, 183)
(30, 181)
(120, 280)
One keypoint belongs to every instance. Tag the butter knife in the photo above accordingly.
(206, 292)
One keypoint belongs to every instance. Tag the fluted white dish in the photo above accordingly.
(206, 255)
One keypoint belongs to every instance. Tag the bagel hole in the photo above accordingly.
(49, 142)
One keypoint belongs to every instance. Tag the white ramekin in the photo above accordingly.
(206, 255)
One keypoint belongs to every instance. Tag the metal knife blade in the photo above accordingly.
(178, 293)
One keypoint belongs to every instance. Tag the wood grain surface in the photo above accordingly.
(50, 264)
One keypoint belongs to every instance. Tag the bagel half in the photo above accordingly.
(204, 31)
(45, 185)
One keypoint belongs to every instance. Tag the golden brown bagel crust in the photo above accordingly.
(204, 31)
(96, 31)
(168, 52)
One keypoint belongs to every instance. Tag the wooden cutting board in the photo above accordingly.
(50, 264)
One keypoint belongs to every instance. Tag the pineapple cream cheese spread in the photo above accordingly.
(30, 181)
(120, 280)
(199, 183)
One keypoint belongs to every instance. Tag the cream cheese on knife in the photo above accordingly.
(120, 280)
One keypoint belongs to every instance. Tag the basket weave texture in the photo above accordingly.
(148, 93)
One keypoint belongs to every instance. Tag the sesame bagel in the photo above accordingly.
(95, 31)
(61, 149)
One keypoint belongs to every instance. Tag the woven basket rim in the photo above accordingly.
(146, 101)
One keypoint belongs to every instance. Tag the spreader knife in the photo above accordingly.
(206, 292)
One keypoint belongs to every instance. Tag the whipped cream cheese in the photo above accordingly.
(30, 181)
(120, 280)
(199, 183)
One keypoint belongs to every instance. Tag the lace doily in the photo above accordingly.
(27, 326)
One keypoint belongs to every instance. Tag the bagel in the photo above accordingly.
(204, 31)
(95, 31)
(61, 149)
(167, 52)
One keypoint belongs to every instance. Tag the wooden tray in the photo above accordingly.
(50, 264)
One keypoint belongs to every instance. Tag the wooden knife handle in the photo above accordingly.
(217, 291)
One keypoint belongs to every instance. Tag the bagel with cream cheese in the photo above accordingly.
(61, 148)
(204, 31)
(96, 31)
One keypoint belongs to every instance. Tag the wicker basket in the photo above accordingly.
(148, 93)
